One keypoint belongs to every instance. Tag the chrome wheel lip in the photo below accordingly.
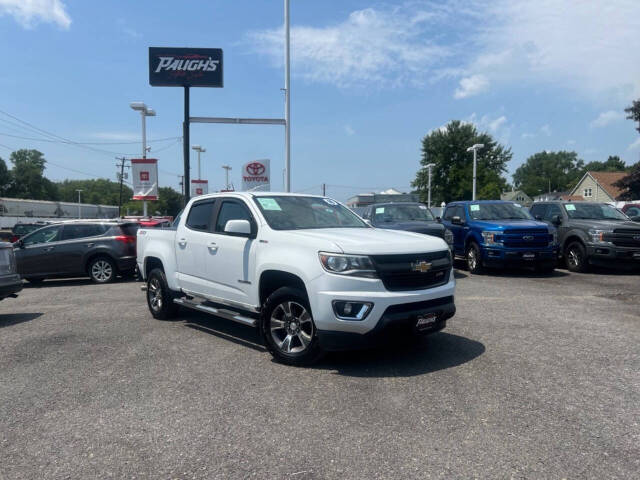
(102, 271)
(154, 294)
(291, 327)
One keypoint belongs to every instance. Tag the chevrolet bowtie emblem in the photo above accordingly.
(422, 267)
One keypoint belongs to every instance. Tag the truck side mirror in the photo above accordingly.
(438, 219)
(457, 220)
(556, 220)
(241, 228)
(20, 243)
(538, 217)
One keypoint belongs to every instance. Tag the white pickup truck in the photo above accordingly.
(305, 270)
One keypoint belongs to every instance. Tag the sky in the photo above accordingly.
(369, 81)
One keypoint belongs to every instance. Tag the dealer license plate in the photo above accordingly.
(528, 256)
(427, 320)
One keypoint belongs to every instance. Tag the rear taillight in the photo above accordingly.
(129, 239)
(14, 239)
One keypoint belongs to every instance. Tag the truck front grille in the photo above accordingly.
(624, 237)
(526, 238)
(415, 271)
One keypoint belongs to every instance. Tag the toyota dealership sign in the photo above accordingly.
(185, 67)
(144, 178)
(256, 176)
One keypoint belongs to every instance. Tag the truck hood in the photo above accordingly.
(510, 225)
(428, 228)
(602, 224)
(369, 241)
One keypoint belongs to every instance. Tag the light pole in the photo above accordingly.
(429, 166)
(227, 168)
(287, 99)
(474, 149)
(200, 150)
(79, 204)
(144, 113)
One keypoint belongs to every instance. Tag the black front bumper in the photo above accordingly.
(605, 255)
(500, 258)
(10, 285)
(397, 319)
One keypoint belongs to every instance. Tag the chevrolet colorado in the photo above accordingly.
(305, 270)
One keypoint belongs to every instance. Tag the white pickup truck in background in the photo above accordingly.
(305, 270)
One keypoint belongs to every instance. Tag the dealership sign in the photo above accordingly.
(256, 175)
(199, 187)
(185, 67)
(144, 178)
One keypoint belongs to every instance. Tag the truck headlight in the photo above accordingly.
(491, 237)
(448, 236)
(597, 235)
(352, 265)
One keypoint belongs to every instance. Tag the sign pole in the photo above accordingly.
(185, 145)
(287, 97)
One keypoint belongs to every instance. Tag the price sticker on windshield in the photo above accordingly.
(570, 207)
(330, 202)
(379, 210)
(474, 208)
(269, 204)
(422, 207)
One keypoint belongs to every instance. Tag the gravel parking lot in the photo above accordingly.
(535, 377)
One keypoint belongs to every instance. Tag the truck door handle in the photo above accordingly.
(48, 249)
(182, 242)
(90, 244)
(212, 246)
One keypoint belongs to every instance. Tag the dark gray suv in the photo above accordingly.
(592, 234)
(98, 249)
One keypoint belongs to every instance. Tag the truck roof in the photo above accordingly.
(257, 194)
(466, 202)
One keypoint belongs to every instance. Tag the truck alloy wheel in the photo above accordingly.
(474, 264)
(160, 297)
(154, 293)
(291, 327)
(576, 258)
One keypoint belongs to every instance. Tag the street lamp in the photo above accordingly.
(144, 113)
(79, 203)
(227, 168)
(474, 149)
(429, 166)
(200, 150)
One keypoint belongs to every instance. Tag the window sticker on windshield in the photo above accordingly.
(570, 207)
(379, 210)
(518, 205)
(269, 204)
(474, 208)
(329, 201)
(422, 207)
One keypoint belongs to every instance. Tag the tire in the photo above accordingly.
(102, 270)
(474, 259)
(576, 258)
(288, 329)
(160, 297)
(34, 280)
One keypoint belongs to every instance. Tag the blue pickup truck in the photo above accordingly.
(492, 233)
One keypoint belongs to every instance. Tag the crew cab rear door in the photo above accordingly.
(193, 246)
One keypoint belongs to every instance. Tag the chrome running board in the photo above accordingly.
(220, 312)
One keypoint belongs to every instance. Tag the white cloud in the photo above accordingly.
(498, 126)
(606, 118)
(29, 13)
(472, 85)
(373, 47)
(635, 145)
(546, 130)
(348, 129)
(571, 142)
(528, 135)
(588, 47)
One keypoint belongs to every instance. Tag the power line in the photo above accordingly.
(158, 140)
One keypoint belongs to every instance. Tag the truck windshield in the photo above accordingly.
(593, 211)
(402, 213)
(498, 211)
(297, 213)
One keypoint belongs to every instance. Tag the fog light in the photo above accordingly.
(351, 310)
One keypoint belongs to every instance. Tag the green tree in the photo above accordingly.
(613, 164)
(633, 112)
(452, 175)
(5, 178)
(28, 180)
(99, 191)
(558, 170)
(630, 184)
(169, 203)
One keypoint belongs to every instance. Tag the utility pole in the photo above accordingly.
(287, 98)
(226, 184)
(324, 189)
(121, 178)
(79, 203)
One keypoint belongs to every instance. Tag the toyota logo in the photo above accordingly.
(528, 238)
(255, 168)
